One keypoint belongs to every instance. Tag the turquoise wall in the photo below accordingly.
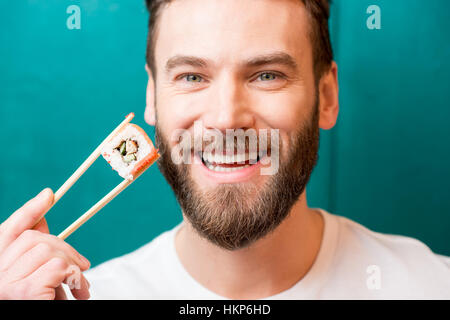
(385, 164)
(391, 153)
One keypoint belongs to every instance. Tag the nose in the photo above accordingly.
(229, 105)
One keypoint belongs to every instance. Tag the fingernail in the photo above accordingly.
(86, 261)
(43, 193)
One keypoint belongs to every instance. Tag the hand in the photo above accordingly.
(33, 263)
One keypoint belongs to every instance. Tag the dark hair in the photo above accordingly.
(318, 10)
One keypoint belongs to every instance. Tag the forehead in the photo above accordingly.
(227, 30)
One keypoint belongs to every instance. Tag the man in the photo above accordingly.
(234, 64)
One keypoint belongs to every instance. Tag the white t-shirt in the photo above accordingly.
(353, 263)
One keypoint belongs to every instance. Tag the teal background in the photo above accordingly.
(385, 164)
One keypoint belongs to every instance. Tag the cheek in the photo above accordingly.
(284, 111)
(175, 112)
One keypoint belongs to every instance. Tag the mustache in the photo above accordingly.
(234, 140)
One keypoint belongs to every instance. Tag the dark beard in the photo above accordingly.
(233, 216)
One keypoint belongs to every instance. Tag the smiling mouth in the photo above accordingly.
(228, 163)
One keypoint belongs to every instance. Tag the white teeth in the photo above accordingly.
(230, 158)
(224, 169)
(252, 157)
(241, 157)
(210, 157)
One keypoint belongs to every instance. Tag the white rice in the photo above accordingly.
(113, 156)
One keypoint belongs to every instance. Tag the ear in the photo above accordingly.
(149, 114)
(329, 98)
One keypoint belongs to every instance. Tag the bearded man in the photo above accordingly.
(263, 68)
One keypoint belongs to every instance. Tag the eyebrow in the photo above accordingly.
(281, 58)
(179, 60)
(272, 58)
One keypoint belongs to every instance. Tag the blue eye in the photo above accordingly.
(193, 78)
(267, 76)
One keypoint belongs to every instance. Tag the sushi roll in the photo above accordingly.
(130, 152)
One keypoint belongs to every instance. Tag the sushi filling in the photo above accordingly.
(127, 149)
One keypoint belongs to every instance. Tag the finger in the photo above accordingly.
(77, 283)
(30, 239)
(42, 283)
(25, 218)
(28, 263)
(42, 226)
(60, 294)
(33, 259)
(82, 293)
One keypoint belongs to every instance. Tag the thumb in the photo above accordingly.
(28, 215)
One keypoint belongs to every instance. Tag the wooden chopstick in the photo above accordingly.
(95, 208)
(99, 205)
(81, 170)
(88, 162)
